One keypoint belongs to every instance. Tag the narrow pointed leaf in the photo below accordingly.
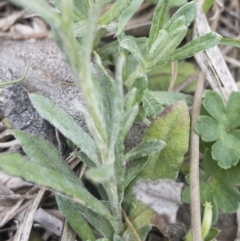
(196, 45)
(172, 40)
(151, 105)
(105, 90)
(115, 11)
(83, 158)
(66, 125)
(127, 14)
(188, 11)
(100, 174)
(168, 98)
(128, 119)
(176, 24)
(101, 224)
(77, 222)
(132, 47)
(145, 149)
(136, 166)
(44, 153)
(158, 20)
(117, 105)
(15, 164)
(130, 99)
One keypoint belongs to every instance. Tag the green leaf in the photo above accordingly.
(104, 86)
(208, 128)
(115, 11)
(136, 166)
(145, 149)
(159, 18)
(230, 42)
(196, 45)
(169, 43)
(226, 151)
(215, 187)
(188, 11)
(214, 105)
(83, 158)
(220, 127)
(213, 233)
(204, 197)
(142, 233)
(100, 174)
(207, 5)
(15, 164)
(82, 6)
(130, 99)
(128, 119)
(66, 125)
(117, 105)
(43, 153)
(77, 222)
(127, 14)
(160, 76)
(77, 15)
(77, 210)
(233, 110)
(172, 127)
(150, 104)
(157, 43)
(167, 98)
(132, 47)
(179, 22)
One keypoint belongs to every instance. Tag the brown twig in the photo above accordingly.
(130, 225)
(194, 164)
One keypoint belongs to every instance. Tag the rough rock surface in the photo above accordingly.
(49, 76)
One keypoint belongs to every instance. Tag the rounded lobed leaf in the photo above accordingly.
(207, 128)
(226, 151)
(233, 110)
(214, 105)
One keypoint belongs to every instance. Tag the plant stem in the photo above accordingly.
(194, 164)
(139, 72)
(111, 189)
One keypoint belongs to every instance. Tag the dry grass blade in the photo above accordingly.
(212, 62)
(68, 233)
(24, 230)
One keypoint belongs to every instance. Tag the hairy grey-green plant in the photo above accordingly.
(110, 115)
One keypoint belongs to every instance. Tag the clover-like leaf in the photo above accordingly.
(220, 127)
(218, 186)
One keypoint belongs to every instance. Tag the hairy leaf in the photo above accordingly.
(115, 11)
(145, 149)
(196, 45)
(73, 210)
(158, 20)
(15, 164)
(131, 46)
(44, 153)
(77, 222)
(127, 14)
(66, 125)
(168, 98)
